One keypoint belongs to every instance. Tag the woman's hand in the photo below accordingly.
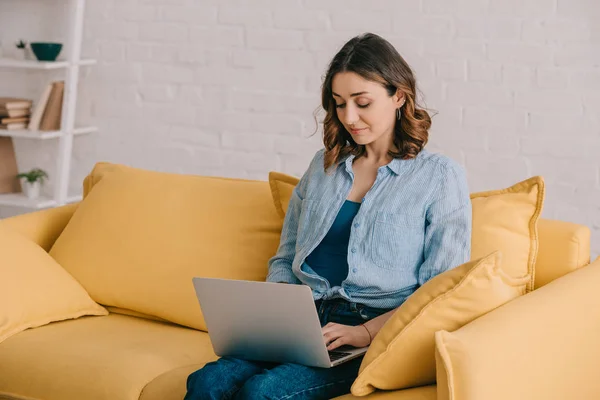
(336, 335)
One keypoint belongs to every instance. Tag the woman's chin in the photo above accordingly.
(362, 140)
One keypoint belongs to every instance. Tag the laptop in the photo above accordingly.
(266, 321)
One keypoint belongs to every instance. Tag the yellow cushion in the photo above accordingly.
(139, 237)
(282, 186)
(112, 357)
(402, 354)
(171, 385)
(506, 220)
(540, 346)
(41, 227)
(34, 289)
(564, 247)
(420, 393)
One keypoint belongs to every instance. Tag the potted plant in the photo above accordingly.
(21, 46)
(33, 182)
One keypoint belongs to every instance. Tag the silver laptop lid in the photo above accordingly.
(262, 321)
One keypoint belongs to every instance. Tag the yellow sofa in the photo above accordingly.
(545, 343)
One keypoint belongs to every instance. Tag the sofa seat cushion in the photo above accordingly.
(419, 393)
(139, 237)
(110, 357)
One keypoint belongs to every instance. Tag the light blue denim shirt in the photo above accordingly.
(414, 223)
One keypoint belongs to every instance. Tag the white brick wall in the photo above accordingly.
(229, 87)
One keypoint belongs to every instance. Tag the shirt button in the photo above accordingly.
(356, 225)
(354, 270)
(353, 250)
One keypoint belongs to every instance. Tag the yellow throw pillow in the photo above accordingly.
(506, 220)
(139, 237)
(402, 354)
(34, 289)
(282, 186)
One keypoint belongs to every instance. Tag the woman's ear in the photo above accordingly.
(399, 98)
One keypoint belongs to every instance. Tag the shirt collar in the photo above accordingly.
(393, 165)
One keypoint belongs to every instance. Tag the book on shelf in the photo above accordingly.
(13, 126)
(8, 167)
(51, 117)
(14, 103)
(19, 112)
(39, 107)
(4, 121)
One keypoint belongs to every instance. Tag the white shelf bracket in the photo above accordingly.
(65, 143)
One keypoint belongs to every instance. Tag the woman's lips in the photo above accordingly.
(357, 131)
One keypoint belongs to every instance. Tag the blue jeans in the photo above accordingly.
(234, 378)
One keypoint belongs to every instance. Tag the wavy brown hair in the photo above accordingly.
(374, 59)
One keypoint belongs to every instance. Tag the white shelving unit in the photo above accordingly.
(32, 64)
(64, 136)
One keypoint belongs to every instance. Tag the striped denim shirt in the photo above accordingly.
(413, 224)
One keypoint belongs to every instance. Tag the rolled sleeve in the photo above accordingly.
(280, 265)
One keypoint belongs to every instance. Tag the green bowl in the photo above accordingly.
(46, 51)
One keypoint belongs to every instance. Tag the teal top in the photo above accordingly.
(330, 258)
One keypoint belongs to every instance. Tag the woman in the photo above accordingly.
(374, 217)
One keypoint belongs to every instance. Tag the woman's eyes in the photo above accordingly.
(359, 105)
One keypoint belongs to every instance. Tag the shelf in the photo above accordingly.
(27, 134)
(20, 200)
(33, 64)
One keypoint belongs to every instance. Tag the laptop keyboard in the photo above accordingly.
(336, 355)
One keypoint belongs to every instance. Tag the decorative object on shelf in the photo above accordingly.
(33, 182)
(46, 51)
(8, 167)
(14, 113)
(21, 46)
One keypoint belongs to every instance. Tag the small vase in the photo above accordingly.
(28, 54)
(31, 190)
(17, 54)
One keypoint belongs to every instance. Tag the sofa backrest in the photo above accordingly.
(139, 237)
(563, 247)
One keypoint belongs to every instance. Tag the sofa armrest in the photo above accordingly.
(544, 345)
(42, 227)
(563, 248)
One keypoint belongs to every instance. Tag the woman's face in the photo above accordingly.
(365, 109)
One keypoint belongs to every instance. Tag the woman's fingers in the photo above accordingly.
(329, 325)
(333, 331)
(331, 336)
(342, 340)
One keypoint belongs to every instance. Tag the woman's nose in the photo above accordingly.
(351, 115)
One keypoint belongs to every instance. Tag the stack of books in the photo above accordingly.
(14, 113)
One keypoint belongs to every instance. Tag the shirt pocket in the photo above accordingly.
(397, 240)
